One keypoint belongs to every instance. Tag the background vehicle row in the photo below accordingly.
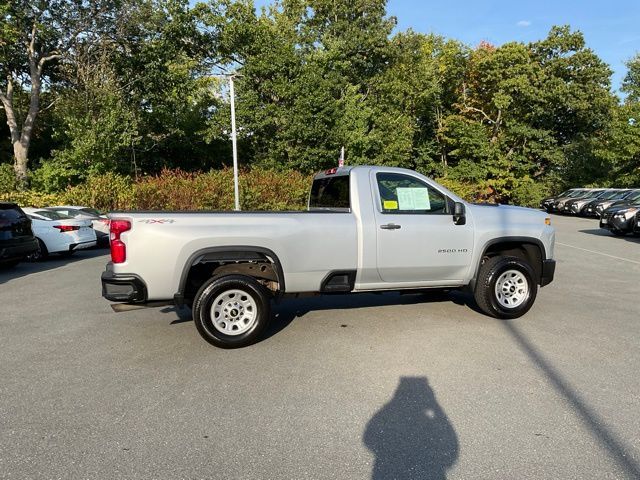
(34, 233)
(617, 208)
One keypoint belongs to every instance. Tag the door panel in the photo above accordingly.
(416, 237)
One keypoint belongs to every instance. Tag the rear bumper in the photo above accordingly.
(548, 271)
(82, 245)
(19, 250)
(127, 288)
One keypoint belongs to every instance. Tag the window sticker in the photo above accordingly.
(390, 205)
(413, 198)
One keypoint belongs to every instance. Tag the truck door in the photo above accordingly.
(417, 240)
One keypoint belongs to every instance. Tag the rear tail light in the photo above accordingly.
(118, 248)
(67, 228)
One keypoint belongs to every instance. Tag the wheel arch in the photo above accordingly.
(527, 248)
(229, 257)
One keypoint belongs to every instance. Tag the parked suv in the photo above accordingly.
(576, 205)
(16, 238)
(545, 203)
(629, 198)
(620, 219)
(605, 201)
(558, 204)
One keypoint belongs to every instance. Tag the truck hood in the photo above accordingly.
(506, 214)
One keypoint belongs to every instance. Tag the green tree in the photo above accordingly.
(631, 83)
(34, 37)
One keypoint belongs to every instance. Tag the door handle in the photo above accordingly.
(390, 226)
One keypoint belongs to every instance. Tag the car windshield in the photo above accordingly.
(70, 212)
(594, 194)
(578, 193)
(634, 197)
(91, 211)
(52, 215)
(608, 195)
(626, 194)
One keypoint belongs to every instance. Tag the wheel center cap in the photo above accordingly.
(234, 313)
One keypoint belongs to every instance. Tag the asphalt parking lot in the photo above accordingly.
(369, 386)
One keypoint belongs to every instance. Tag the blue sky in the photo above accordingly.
(611, 28)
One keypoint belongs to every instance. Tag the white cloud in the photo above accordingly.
(524, 23)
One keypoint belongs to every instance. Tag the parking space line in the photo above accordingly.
(599, 253)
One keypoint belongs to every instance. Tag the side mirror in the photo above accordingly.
(459, 217)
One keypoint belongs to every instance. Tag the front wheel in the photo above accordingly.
(231, 311)
(505, 287)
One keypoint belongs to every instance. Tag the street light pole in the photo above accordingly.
(234, 143)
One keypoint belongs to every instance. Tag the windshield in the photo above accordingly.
(612, 194)
(634, 197)
(625, 194)
(51, 215)
(91, 211)
(595, 194)
(577, 193)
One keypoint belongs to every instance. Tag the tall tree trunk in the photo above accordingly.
(20, 148)
(21, 138)
(21, 161)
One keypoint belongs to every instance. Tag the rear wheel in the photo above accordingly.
(505, 287)
(231, 311)
(39, 254)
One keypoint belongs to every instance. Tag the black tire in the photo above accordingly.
(211, 290)
(485, 291)
(40, 254)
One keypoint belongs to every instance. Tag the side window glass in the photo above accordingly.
(404, 194)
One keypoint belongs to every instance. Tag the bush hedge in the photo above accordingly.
(178, 190)
(213, 190)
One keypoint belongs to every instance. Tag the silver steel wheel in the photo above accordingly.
(512, 289)
(234, 312)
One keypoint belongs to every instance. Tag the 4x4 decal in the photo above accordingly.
(157, 220)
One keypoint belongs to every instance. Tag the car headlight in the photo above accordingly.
(627, 214)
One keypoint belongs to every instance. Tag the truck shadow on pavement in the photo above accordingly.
(286, 312)
(411, 436)
(52, 262)
(292, 308)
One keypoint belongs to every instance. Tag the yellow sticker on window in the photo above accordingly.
(390, 205)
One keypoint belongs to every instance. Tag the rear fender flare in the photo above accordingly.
(231, 253)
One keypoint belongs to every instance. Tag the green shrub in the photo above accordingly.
(467, 191)
(31, 198)
(53, 176)
(108, 191)
(7, 178)
(213, 190)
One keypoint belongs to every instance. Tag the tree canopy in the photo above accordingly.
(134, 86)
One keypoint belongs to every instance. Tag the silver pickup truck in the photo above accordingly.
(365, 229)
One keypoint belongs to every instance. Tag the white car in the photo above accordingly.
(59, 233)
(99, 220)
